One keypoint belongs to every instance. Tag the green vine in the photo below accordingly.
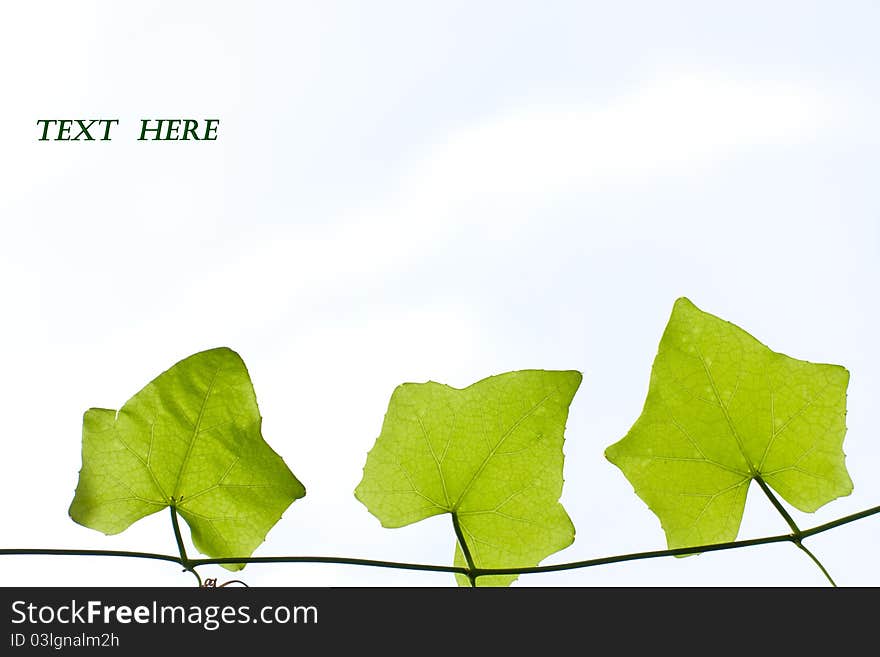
(722, 410)
(190, 565)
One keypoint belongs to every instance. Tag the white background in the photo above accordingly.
(412, 191)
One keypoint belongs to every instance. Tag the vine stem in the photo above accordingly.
(475, 572)
(797, 534)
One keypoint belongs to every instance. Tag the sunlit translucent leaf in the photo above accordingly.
(191, 438)
(490, 453)
(722, 410)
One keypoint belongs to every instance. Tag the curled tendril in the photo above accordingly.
(211, 583)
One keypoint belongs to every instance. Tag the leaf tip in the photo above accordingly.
(610, 452)
(229, 351)
(98, 419)
(684, 304)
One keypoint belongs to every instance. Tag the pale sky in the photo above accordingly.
(444, 191)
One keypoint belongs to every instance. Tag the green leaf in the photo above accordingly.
(191, 438)
(490, 454)
(722, 410)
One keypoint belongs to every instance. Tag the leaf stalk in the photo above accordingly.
(465, 550)
(796, 533)
(181, 548)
